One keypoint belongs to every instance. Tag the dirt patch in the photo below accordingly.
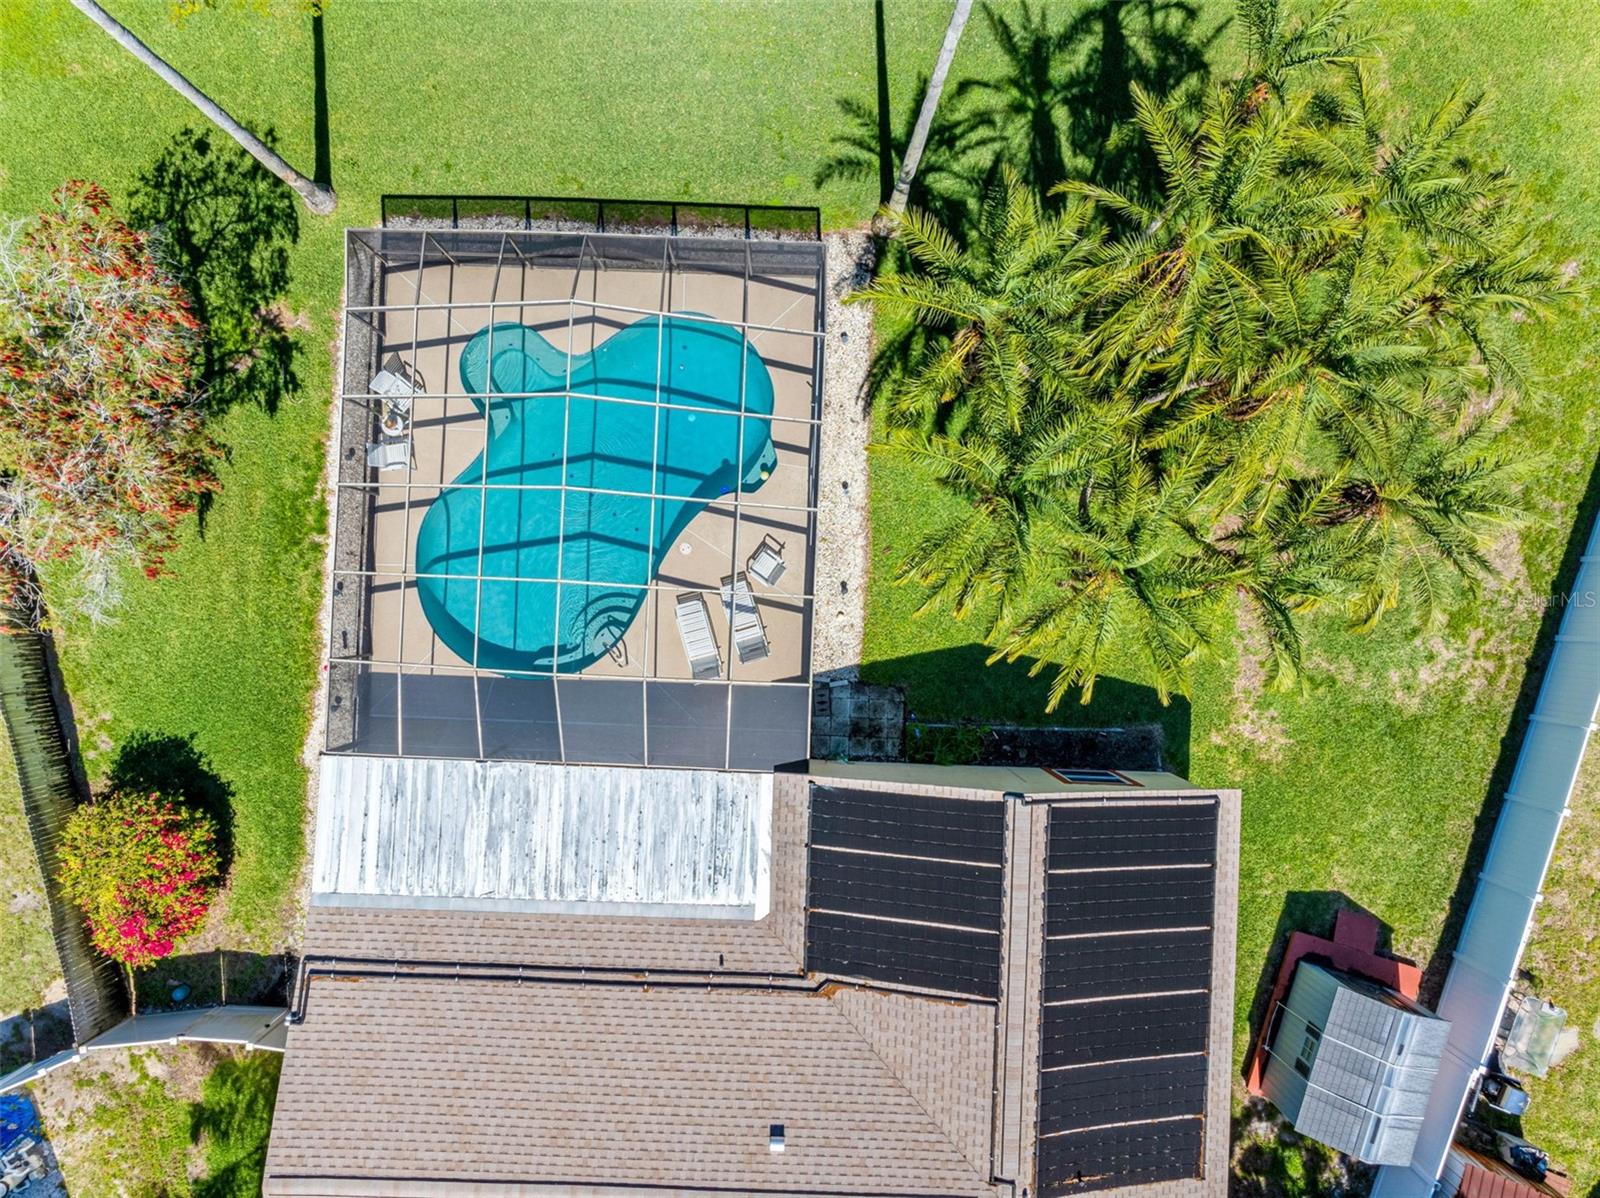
(1482, 659)
(1250, 720)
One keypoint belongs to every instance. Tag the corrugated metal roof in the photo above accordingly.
(1496, 929)
(527, 836)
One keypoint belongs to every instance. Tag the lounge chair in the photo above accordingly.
(699, 641)
(389, 454)
(397, 383)
(766, 563)
(749, 637)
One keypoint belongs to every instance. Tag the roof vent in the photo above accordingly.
(775, 1138)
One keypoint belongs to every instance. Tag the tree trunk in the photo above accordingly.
(320, 200)
(930, 105)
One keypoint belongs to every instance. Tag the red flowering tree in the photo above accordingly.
(143, 870)
(103, 445)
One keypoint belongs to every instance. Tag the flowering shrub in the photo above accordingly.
(103, 446)
(143, 870)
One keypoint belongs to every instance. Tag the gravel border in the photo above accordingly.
(839, 610)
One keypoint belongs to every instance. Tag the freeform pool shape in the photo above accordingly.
(606, 553)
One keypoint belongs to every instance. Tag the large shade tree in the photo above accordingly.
(1280, 379)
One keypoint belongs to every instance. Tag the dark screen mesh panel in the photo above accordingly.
(906, 954)
(1112, 836)
(1102, 966)
(1119, 1156)
(771, 726)
(519, 718)
(438, 716)
(688, 723)
(362, 714)
(900, 888)
(910, 825)
(1127, 901)
(602, 719)
(1123, 1028)
(1121, 1092)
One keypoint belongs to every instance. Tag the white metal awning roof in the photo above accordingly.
(526, 836)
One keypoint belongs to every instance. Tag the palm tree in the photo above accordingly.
(999, 311)
(1421, 505)
(930, 104)
(318, 199)
(1119, 579)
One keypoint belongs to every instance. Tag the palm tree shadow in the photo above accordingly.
(225, 225)
(1062, 107)
(957, 166)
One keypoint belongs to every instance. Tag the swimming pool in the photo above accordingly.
(601, 540)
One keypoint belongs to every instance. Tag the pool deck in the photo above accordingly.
(430, 313)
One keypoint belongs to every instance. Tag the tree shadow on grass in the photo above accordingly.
(1561, 593)
(231, 1123)
(174, 766)
(955, 686)
(1061, 107)
(226, 225)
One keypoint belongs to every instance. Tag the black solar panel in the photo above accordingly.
(909, 825)
(1120, 1028)
(908, 954)
(1127, 901)
(1119, 1156)
(1124, 1092)
(905, 888)
(1102, 966)
(1112, 836)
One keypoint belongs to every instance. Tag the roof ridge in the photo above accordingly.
(979, 1168)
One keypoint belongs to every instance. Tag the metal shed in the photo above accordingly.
(1351, 1063)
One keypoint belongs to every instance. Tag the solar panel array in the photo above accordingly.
(906, 889)
(1127, 976)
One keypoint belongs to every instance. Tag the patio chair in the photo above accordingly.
(397, 383)
(766, 563)
(699, 641)
(389, 454)
(749, 636)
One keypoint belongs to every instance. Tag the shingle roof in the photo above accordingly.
(547, 1068)
(621, 1085)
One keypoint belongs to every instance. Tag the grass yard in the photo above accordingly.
(183, 1122)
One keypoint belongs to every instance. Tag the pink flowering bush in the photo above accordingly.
(143, 870)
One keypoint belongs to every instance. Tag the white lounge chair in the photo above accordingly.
(766, 563)
(397, 383)
(749, 637)
(389, 454)
(699, 641)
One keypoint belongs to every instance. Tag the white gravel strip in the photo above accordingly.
(841, 571)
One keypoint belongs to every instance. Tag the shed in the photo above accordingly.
(1351, 1063)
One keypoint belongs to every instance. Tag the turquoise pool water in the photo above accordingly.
(691, 453)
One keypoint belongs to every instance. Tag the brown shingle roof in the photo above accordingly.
(411, 1079)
